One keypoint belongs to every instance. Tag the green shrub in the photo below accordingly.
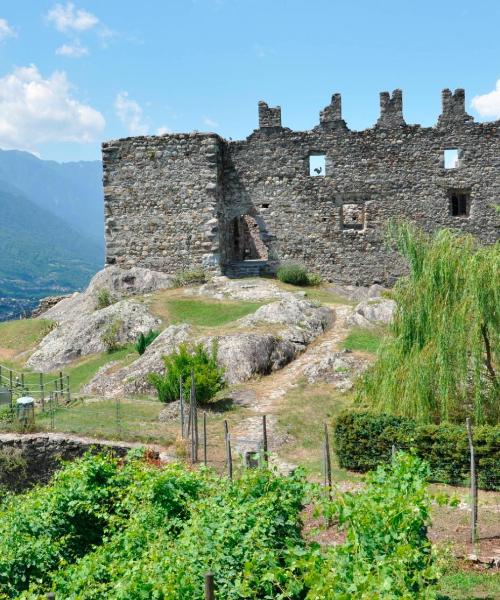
(294, 274)
(364, 440)
(386, 554)
(208, 376)
(111, 335)
(87, 502)
(115, 529)
(143, 341)
(297, 274)
(104, 298)
(185, 278)
(12, 469)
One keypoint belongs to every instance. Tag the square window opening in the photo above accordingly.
(353, 217)
(451, 158)
(317, 165)
(459, 204)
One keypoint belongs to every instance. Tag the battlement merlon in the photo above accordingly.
(391, 110)
(453, 108)
(269, 116)
(331, 116)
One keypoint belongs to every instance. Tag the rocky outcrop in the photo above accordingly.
(132, 379)
(221, 288)
(371, 313)
(120, 283)
(242, 354)
(337, 368)
(84, 335)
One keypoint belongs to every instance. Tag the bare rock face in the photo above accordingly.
(132, 379)
(120, 283)
(337, 368)
(245, 355)
(371, 313)
(222, 287)
(242, 354)
(304, 320)
(83, 335)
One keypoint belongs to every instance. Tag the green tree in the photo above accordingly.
(440, 362)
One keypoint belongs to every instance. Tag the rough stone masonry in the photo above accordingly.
(182, 202)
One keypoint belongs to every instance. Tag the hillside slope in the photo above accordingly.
(72, 191)
(39, 252)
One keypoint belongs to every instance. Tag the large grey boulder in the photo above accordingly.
(120, 283)
(83, 335)
(303, 320)
(370, 313)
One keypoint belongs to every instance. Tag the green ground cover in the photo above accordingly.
(109, 528)
(208, 313)
(460, 582)
(22, 334)
(128, 420)
(364, 340)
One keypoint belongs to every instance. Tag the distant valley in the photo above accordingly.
(51, 228)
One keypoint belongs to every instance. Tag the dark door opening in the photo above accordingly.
(247, 243)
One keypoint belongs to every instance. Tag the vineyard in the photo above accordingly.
(128, 528)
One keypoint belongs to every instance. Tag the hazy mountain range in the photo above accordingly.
(51, 228)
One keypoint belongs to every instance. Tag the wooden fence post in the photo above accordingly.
(10, 380)
(205, 446)
(264, 438)
(181, 401)
(68, 392)
(328, 462)
(228, 451)
(473, 484)
(194, 422)
(209, 586)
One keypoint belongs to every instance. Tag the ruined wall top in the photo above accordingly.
(391, 112)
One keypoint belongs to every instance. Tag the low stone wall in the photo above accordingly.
(43, 453)
(46, 303)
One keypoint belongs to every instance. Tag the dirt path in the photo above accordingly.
(264, 396)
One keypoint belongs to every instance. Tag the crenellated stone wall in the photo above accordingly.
(172, 201)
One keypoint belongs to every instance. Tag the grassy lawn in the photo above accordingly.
(302, 414)
(22, 334)
(464, 582)
(82, 371)
(364, 340)
(128, 420)
(208, 313)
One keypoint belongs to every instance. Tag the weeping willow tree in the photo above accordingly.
(440, 363)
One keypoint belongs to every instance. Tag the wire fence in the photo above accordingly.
(16, 384)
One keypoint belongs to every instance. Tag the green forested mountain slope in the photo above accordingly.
(72, 191)
(40, 253)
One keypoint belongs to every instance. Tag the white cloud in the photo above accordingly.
(130, 114)
(162, 130)
(488, 105)
(34, 110)
(67, 18)
(210, 122)
(6, 30)
(72, 51)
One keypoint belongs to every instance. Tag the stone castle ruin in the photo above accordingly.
(324, 197)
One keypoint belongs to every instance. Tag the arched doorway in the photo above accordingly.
(247, 243)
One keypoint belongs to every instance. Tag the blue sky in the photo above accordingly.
(75, 74)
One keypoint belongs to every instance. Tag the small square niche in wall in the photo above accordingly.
(451, 159)
(317, 165)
